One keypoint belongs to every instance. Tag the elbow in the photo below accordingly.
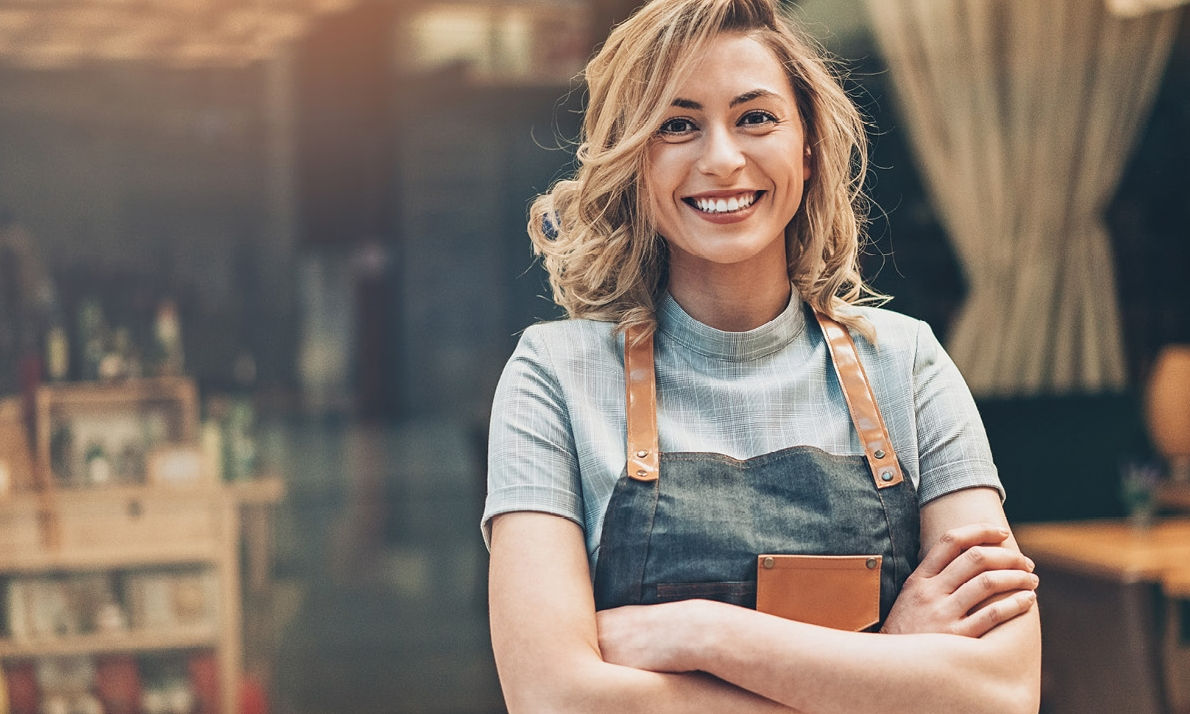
(525, 697)
(1012, 656)
(1022, 698)
(1026, 693)
(991, 696)
(984, 697)
(1016, 690)
(552, 689)
(530, 700)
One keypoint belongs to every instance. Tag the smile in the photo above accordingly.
(724, 204)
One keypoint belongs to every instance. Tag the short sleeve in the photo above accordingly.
(532, 465)
(953, 449)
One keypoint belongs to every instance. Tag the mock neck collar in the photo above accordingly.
(676, 324)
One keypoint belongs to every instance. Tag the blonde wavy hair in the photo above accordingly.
(594, 231)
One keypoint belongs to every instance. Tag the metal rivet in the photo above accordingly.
(886, 476)
(768, 562)
(878, 453)
(871, 563)
(642, 473)
(642, 454)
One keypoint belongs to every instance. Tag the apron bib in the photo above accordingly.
(699, 531)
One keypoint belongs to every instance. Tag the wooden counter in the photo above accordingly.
(1109, 614)
(1111, 548)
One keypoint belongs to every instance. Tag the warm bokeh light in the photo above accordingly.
(179, 34)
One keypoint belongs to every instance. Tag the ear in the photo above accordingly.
(806, 164)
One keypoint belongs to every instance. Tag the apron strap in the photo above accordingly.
(640, 382)
(861, 402)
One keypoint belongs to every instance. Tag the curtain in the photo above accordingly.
(1022, 114)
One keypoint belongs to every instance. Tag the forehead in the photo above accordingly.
(733, 63)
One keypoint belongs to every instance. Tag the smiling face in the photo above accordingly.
(725, 172)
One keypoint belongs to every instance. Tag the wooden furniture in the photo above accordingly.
(1111, 548)
(161, 556)
(128, 533)
(16, 457)
(137, 414)
(1107, 620)
(1174, 496)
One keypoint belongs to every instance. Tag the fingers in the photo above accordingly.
(988, 585)
(956, 541)
(982, 559)
(996, 613)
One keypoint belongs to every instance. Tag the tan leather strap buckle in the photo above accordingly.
(861, 402)
(640, 382)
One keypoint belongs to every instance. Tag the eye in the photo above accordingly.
(677, 127)
(757, 118)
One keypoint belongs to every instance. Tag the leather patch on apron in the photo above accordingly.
(839, 591)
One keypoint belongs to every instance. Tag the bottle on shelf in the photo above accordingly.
(57, 345)
(167, 334)
(92, 336)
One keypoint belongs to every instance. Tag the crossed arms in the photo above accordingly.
(963, 635)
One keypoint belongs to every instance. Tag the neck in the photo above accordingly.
(731, 301)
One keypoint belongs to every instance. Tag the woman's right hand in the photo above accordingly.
(969, 582)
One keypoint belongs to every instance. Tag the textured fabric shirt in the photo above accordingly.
(557, 436)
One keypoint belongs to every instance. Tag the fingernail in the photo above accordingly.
(1034, 579)
(1004, 532)
(1030, 564)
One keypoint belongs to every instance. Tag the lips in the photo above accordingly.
(721, 202)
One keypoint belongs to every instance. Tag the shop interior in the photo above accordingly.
(261, 265)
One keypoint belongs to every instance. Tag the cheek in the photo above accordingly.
(665, 170)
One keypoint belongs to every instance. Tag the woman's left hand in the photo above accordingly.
(648, 636)
(969, 583)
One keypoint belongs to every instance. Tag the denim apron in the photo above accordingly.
(691, 525)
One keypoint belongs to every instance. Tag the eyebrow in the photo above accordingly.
(741, 99)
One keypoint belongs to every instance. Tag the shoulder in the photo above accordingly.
(898, 337)
(905, 349)
(553, 355)
(574, 332)
(564, 342)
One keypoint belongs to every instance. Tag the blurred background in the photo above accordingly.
(284, 241)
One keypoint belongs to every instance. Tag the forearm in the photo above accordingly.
(545, 642)
(821, 670)
(600, 687)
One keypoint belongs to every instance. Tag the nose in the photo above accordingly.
(721, 155)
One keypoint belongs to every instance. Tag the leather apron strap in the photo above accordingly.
(861, 402)
(640, 382)
(640, 399)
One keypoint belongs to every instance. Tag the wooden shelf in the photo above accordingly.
(106, 643)
(59, 530)
(264, 490)
(126, 558)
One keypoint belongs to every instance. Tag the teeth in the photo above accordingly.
(735, 203)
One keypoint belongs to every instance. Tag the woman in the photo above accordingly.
(702, 436)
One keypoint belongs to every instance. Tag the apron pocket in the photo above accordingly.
(839, 591)
(736, 592)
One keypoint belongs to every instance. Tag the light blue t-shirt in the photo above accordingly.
(557, 436)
